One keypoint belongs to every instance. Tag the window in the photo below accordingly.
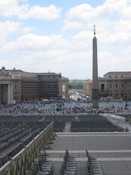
(122, 85)
(102, 87)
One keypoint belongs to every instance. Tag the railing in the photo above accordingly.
(22, 162)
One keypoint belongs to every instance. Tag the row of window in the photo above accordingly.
(119, 76)
(116, 85)
(113, 86)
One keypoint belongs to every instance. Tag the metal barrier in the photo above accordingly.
(94, 166)
(22, 162)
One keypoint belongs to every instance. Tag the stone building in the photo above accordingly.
(114, 84)
(17, 85)
(88, 87)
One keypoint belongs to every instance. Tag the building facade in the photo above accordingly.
(88, 87)
(17, 86)
(113, 84)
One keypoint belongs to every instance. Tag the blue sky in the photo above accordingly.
(49, 27)
(56, 35)
(66, 4)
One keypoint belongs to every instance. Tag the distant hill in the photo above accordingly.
(76, 84)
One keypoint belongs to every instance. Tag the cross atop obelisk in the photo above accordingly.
(94, 29)
(95, 85)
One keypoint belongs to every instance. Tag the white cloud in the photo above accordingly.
(44, 52)
(31, 42)
(70, 54)
(23, 10)
(104, 16)
(9, 2)
(8, 28)
(50, 12)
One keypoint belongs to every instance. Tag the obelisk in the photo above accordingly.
(95, 85)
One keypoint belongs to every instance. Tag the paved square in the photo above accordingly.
(112, 150)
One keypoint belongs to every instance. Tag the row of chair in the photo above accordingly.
(69, 166)
(94, 124)
(17, 133)
(93, 166)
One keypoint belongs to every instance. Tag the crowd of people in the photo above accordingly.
(63, 106)
(46, 107)
(115, 107)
